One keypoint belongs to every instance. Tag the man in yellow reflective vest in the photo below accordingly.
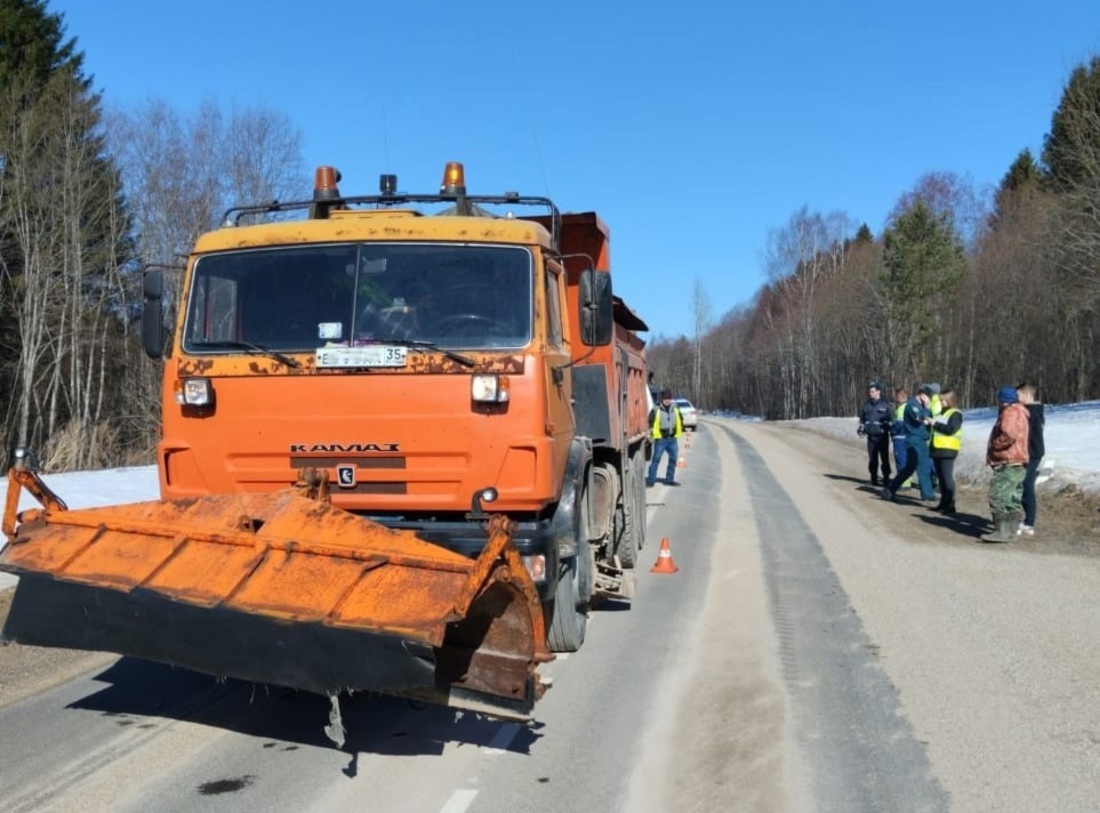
(935, 407)
(946, 442)
(666, 427)
(897, 430)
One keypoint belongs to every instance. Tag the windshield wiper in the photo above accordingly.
(248, 347)
(422, 346)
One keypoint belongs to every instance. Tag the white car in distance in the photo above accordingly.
(687, 413)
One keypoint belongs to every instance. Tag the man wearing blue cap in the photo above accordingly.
(1006, 453)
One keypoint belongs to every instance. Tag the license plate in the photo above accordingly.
(375, 355)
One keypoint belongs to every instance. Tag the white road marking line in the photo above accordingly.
(459, 802)
(499, 744)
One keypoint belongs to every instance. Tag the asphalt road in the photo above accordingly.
(818, 650)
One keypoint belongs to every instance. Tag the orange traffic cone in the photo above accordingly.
(664, 563)
(681, 463)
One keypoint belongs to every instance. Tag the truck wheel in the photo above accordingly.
(630, 516)
(638, 481)
(569, 609)
(626, 525)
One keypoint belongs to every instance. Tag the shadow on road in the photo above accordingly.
(138, 692)
(847, 478)
(965, 524)
(962, 523)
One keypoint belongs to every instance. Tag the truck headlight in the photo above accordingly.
(195, 392)
(536, 567)
(489, 389)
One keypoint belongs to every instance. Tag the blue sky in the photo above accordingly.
(694, 128)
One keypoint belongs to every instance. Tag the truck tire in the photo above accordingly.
(630, 516)
(637, 476)
(569, 609)
(626, 522)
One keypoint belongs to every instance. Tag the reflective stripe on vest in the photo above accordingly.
(678, 429)
(947, 441)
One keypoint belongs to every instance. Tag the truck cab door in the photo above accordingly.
(559, 395)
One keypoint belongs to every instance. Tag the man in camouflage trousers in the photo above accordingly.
(1006, 454)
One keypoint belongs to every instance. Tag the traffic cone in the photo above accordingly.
(682, 462)
(664, 563)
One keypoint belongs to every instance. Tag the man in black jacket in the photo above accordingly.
(875, 417)
(1036, 419)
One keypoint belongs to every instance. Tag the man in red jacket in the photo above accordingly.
(1006, 453)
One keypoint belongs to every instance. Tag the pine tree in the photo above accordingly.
(924, 259)
(864, 236)
(1071, 158)
(1071, 150)
(1023, 179)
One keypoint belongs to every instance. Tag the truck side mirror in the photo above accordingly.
(152, 313)
(596, 309)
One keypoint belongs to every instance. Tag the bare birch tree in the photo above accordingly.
(31, 264)
(801, 256)
(700, 311)
(180, 174)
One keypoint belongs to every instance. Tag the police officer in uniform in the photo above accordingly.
(875, 417)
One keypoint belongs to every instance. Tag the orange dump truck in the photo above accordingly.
(403, 449)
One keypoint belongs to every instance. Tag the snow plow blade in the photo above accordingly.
(282, 589)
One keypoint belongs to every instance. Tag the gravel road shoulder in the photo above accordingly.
(1068, 518)
(992, 647)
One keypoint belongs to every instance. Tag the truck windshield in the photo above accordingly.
(298, 298)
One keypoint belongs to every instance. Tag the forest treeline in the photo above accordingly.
(87, 199)
(973, 294)
(971, 291)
